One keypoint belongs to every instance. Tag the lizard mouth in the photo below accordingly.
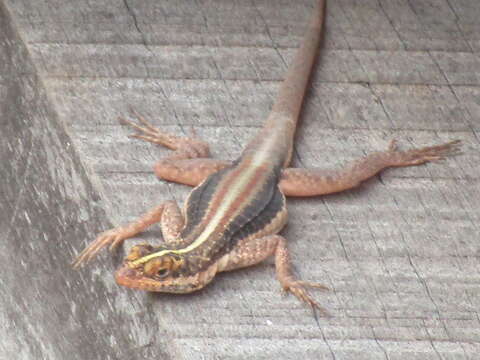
(134, 279)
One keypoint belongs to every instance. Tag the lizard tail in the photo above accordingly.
(290, 97)
(275, 140)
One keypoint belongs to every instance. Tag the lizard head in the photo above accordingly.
(156, 269)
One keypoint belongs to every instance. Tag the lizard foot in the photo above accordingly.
(112, 237)
(422, 155)
(193, 147)
(298, 288)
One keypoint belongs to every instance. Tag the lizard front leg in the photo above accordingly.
(305, 182)
(252, 251)
(168, 214)
(189, 164)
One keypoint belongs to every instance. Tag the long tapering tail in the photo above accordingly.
(290, 97)
(274, 142)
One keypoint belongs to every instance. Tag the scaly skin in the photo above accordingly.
(233, 215)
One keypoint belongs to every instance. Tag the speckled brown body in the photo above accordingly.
(232, 217)
(237, 205)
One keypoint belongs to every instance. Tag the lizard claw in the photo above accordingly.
(112, 237)
(425, 154)
(312, 284)
(193, 147)
(146, 134)
(297, 288)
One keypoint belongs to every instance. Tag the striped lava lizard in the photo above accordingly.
(232, 217)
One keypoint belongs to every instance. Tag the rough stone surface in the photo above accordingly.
(400, 253)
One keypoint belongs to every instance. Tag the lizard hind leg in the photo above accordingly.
(252, 251)
(184, 147)
(189, 164)
(313, 182)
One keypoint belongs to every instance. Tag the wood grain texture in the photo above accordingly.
(400, 253)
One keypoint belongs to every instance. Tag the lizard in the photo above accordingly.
(232, 217)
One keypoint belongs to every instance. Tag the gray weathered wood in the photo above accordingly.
(400, 253)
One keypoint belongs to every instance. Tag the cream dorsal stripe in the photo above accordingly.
(243, 182)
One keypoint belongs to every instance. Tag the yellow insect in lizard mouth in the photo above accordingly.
(139, 251)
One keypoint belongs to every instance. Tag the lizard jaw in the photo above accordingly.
(135, 279)
(131, 278)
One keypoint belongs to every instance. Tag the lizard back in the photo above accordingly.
(228, 201)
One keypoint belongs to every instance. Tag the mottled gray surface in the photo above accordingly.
(400, 253)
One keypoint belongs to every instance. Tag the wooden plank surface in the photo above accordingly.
(400, 253)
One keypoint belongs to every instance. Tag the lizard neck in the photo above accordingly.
(276, 136)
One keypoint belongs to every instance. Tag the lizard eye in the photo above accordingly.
(161, 273)
(161, 267)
